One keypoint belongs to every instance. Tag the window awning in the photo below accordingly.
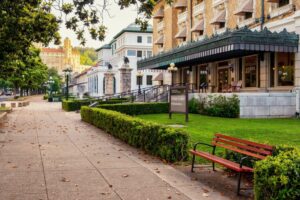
(246, 7)
(159, 77)
(180, 4)
(181, 34)
(160, 40)
(219, 18)
(273, 1)
(159, 14)
(231, 44)
(199, 26)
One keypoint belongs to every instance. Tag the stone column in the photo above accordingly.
(264, 72)
(125, 78)
(109, 83)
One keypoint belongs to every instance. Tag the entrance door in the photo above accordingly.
(223, 79)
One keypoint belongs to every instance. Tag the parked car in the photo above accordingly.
(9, 93)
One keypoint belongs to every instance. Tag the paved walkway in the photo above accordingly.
(46, 153)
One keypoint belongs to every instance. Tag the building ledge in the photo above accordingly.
(282, 10)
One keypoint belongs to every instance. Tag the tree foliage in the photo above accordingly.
(23, 22)
(88, 56)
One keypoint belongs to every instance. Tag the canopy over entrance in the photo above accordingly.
(228, 45)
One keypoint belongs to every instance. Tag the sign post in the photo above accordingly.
(178, 101)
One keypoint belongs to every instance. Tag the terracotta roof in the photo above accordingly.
(83, 72)
(52, 50)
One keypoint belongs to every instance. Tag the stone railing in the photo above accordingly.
(217, 2)
(281, 10)
(246, 22)
(198, 9)
(182, 17)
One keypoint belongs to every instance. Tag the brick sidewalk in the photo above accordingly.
(51, 154)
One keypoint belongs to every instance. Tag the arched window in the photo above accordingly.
(114, 83)
(103, 85)
(97, 84)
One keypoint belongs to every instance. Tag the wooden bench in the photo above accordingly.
(247, 148)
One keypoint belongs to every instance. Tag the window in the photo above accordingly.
(149, 39)
(131, 53)
(248, 15)
(149, 54)
(285, 69)
(149, 79)
(250, 71)
(139, 54)
(221, 25)
(139, 39)
(283, 3)
(139, 80)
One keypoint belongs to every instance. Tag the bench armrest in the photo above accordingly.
(213, 146)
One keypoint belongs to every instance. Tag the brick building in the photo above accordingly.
(230, 45)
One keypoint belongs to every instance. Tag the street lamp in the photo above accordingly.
(172, 69)
(50, 82)
(139, 77)
(67, 72)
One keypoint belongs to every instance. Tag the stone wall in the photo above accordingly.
(262, 105)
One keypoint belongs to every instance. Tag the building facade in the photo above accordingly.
(62, 57)
(78, 85)
(229, 45)
(130, 43)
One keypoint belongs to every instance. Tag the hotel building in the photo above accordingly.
(224, 46)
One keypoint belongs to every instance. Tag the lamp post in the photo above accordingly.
(67, 72)
(139, 77)
(172, 69)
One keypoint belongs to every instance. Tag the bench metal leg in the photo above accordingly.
(193, 163)
(239, 184)
(213, 166)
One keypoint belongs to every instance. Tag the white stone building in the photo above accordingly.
(79, 83)
(133, 44)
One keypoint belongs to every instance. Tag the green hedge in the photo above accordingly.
(167, 143)
(216, 105)
(72, 105)
(278, 177)
(138, 108)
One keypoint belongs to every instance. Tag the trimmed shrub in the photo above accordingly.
(45, 97)
(167, 143)
(138, 108)
(217, 106)
(278, 177)
(72, 105)
(222, 106)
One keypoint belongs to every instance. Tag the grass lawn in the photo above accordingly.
(202, 128)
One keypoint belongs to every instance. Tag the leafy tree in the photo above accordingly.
(23, 22)
(55, 87)
(88, 56)
(30, 73)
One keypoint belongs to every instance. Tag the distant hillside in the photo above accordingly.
(88, 56)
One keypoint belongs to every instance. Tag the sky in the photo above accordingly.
(118, 20)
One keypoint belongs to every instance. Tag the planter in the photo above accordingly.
(13, 105)
(20, 104)
(3, 105)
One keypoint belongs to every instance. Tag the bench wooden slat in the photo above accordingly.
(242, 146)
(239, 150)
(227, 163)
(268, 147)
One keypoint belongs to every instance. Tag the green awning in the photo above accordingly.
(231, 43)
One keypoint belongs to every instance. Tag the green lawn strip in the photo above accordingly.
(202, 128)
